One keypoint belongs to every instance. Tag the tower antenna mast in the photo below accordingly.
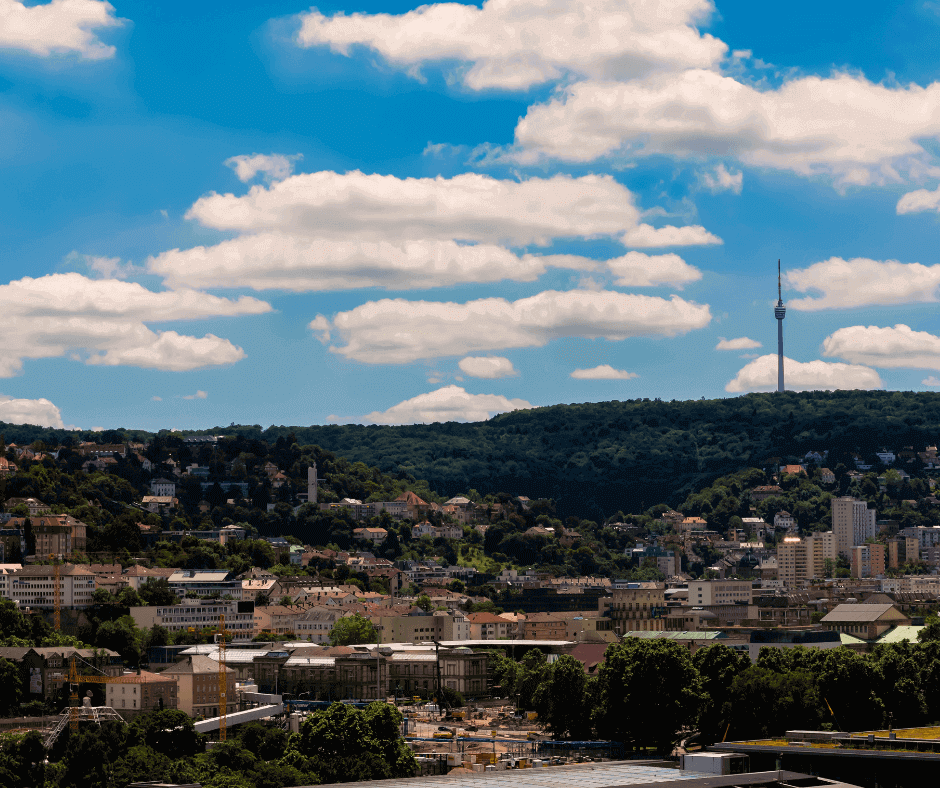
(780, 312)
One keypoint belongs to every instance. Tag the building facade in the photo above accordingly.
(639, 607)
(852, 523)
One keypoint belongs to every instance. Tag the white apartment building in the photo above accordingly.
(199, 614)
(852, 523)
(163, 487)
(35, 586)
(720, 592)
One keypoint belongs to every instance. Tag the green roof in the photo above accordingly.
(897, 634)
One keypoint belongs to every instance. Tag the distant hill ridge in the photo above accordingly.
(596, 458)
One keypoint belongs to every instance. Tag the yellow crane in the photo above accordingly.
(76, 678)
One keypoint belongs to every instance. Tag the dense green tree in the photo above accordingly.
(718, 666)
(649, 692)
(561, 700)
(11, 688)
(353, 630)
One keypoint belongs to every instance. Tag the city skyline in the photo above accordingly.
(384, 213)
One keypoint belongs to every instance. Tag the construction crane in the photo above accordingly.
(57, 571)
(223, 683)
(75, 678)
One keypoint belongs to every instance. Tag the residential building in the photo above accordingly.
(55, 534)
(34, 586)
(927, 536)
(197, 679)
(44, 670)
(142, 692)
(783, 521)
(902, 550)
(868, 560)
(852, 523)
(826, 476)
(33, 506)
(135, 576)
(163, 487)
(638, 607)
(315, 625)
(800, 560)
(461, 670)
(487, 626)
(198, 614)
(159, 504)
(374, 535)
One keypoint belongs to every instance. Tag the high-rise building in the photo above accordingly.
(780, 312)
(852, 523)
(868, 560)
(800, 560)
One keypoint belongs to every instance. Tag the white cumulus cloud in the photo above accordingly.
(397, 331)
(741, 343)
(198, 395)
(930, 380)
(61, 314)
(450, 403)
(843, 126)
(761, 375)
(603, 372)
(645, 236)
(845, 284)
(488, 367)
(57, 27)
(467, 207)
(274, 167)
(515, 44)
(919, 201)
(721, 180)
(30, 411)
(274, 261)
(888, 347)
(636, 269)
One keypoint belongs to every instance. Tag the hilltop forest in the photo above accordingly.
(594, 459)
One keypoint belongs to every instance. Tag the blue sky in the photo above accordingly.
(267, 213)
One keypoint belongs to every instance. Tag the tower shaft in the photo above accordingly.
(780, 312)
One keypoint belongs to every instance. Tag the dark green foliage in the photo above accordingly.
(648, 691)
(352, 631)
(345, 744)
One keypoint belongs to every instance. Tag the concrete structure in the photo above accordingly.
(34, 586)
(868, 560)
(142, 692)
(720, 592)
(198, 614)
(203, 582)
(780, 312)
(487, 626)
(852, 523)
(197, 679)
(927, 536)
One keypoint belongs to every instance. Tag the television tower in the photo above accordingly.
(780, 312)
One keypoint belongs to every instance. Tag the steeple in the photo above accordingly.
(780, 312)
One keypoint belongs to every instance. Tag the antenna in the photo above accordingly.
(779, 294)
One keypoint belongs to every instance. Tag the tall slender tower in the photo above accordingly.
(780, 312)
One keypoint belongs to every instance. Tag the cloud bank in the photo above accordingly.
(58, 27)
(761, 375)
(450, 403)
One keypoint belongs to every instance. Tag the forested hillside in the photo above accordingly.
(596, 458)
